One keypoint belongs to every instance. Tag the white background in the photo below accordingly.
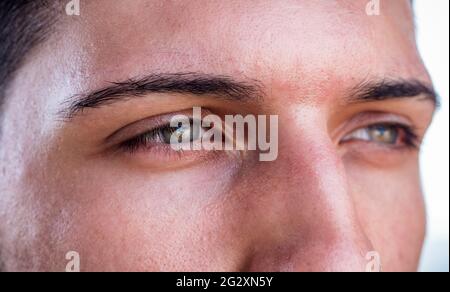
(432, 20)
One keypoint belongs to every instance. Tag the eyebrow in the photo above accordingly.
(225, 87)
(388, 89)
(221, 86)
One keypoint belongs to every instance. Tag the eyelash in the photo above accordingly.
(143, 140)
(410, 139)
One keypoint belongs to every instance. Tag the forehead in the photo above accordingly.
(292, 40)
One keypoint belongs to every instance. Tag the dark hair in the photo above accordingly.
(23, 25)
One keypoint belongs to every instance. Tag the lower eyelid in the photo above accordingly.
(361, 146)
(378, 156)
(165, 158)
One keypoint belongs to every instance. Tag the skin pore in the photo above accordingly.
(329, 198)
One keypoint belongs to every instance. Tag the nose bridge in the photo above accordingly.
(323, 184)
(316, 177)
(320, 225)
(332, 224)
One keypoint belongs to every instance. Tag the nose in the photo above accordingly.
(309, 217)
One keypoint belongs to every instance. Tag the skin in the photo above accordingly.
(321, 206)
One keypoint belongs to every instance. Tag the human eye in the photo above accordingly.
(165, 141)
(161, 136)
(392, 135)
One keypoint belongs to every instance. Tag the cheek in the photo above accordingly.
(121, 219)
(391, 209)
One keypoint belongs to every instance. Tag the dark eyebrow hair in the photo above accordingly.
(227, 88)
(183, 83)
(393, 89)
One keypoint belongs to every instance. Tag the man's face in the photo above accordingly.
(345, 182)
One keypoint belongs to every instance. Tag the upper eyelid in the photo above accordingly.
(155, 131)
(136, 129)
(366, 119)
(379, 117)
(138, 138)
(140, 127)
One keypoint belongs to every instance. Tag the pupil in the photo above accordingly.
(180, 133)
(384, 134)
